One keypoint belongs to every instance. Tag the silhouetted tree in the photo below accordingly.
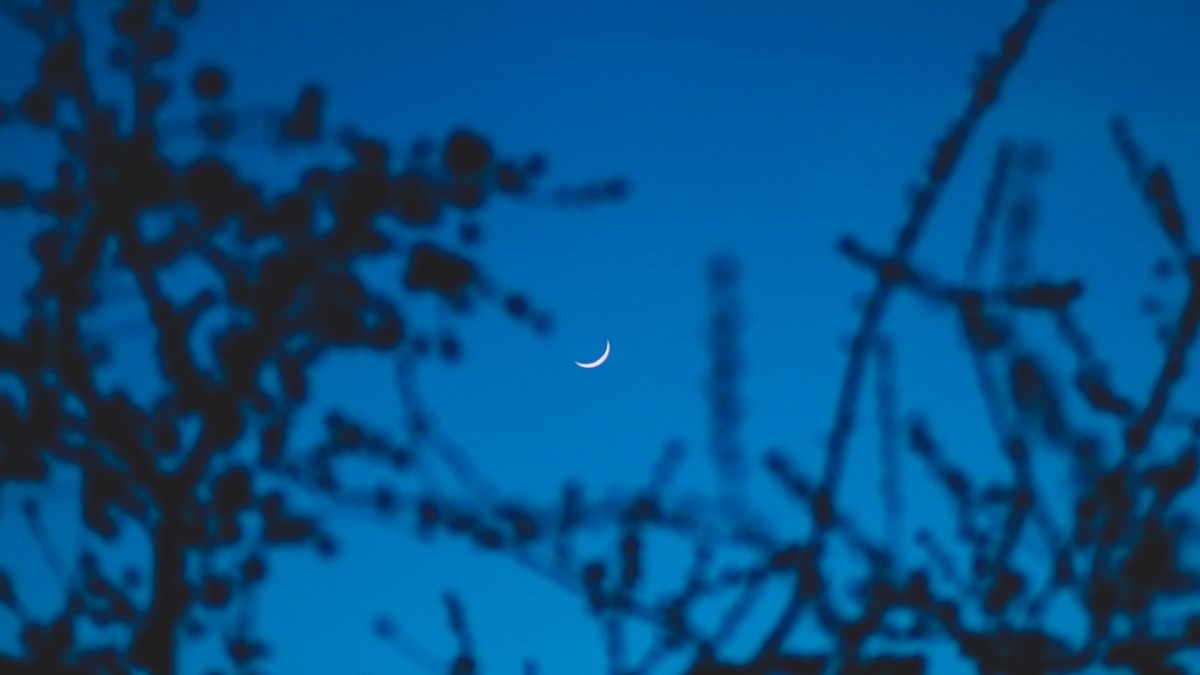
(212, 504)
(1120, 556)
(1112, 544)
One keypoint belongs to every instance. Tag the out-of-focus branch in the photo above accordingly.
(946, 155)
(1138, 433)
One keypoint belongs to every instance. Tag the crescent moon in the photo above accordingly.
(593, 364)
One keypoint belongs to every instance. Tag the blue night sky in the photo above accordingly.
(767, 130)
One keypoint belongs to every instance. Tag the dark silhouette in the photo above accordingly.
(289, 284)
(287, 277)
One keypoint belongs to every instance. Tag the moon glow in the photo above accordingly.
(593, 364)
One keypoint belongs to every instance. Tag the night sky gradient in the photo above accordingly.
(782, 140)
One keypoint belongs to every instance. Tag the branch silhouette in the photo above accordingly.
(290, 290)
(210, 473)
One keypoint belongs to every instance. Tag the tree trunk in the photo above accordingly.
(155, 643)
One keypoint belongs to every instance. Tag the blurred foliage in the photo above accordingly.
(208, 471)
